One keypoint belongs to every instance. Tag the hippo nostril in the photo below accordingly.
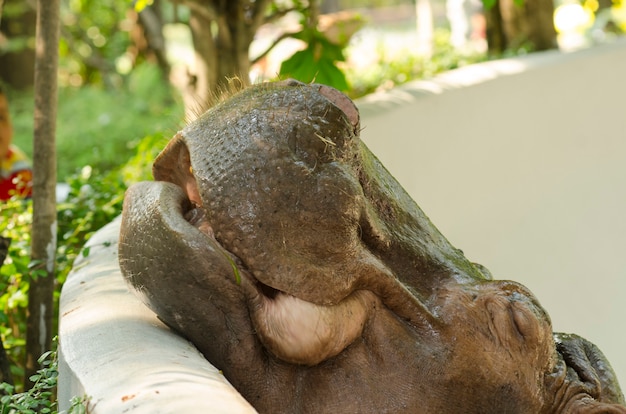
(342, 102)
(194, 216)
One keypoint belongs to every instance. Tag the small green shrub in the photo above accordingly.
(41, 397)
(94, 200)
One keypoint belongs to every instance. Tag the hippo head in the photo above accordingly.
(278, 244)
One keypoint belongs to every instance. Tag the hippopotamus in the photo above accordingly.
(280, 246)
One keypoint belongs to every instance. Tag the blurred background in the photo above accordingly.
(131, 69)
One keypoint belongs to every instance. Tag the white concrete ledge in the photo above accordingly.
(114, 350)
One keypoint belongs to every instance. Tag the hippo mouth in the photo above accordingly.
(294, 329)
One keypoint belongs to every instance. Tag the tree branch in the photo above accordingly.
(258, 14)
(274, 43)
(207, 11)
(278, 14)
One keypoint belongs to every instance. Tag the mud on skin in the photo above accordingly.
(280, 246)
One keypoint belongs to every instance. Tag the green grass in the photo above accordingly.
(103, 128)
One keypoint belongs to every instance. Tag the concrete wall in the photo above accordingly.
(520, 162)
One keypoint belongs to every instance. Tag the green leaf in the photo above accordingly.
(329, 74)
(316, 63)
(44, 356)
(300, 66)
(331, 51)
(488, 4)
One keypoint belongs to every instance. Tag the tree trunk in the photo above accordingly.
(152, 44)
(221, 43)
(222, 32)
(530, 24)
(16, 67)
(204, 74)
(43, 248)
(329, 6)
(496, 38)
(233, 44)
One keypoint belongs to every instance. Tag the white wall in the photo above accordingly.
(521, 163)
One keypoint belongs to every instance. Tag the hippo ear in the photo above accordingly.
(589, 369)
(173, 165)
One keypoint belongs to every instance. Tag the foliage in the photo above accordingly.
(40, 398)
(15, 42)
(17, 216)
(95, 39)
(590, 22)
(103, 128)
(96, 137)
(317, 62)
(93, 201)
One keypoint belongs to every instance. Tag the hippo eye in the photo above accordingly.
(524, 320)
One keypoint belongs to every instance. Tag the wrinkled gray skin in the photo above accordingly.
(280, 246)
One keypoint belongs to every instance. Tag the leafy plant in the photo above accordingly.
(94, 200)
(17, 219)
(316, 63)
(39, 398)
(95, 38)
